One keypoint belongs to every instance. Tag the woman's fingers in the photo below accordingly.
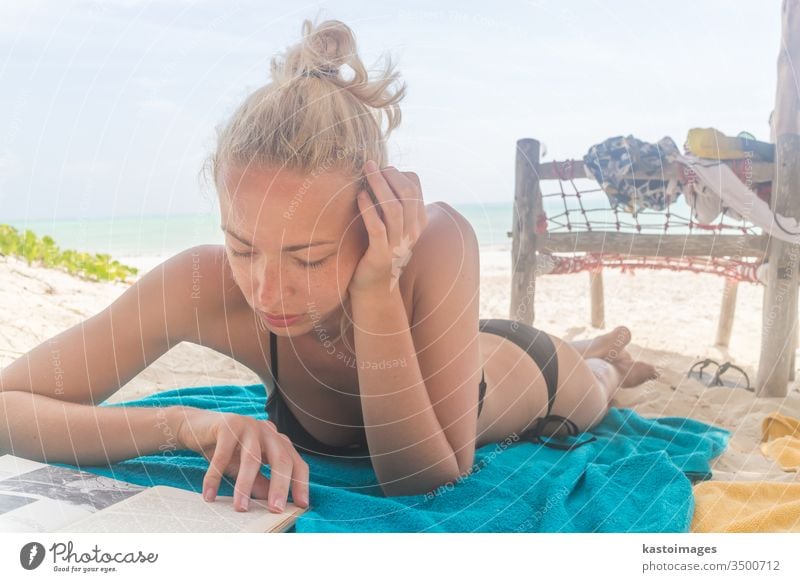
(280, 463)
(260, 487)
(300, 470)
(257, 443)
(409, 195)
(223, 453)
(372, 222)
(422, 214)
(300, 475)
(390, 206)
(249, 466)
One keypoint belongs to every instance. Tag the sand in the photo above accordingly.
(672, 316)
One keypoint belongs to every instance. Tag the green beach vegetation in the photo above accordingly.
(44, 252)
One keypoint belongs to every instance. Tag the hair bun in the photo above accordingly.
(323, 72)
(310, 116)
(322, 51)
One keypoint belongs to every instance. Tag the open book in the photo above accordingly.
(39, 497)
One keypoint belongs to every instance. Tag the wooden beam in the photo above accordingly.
(672, 245)
(527, 208)
(575, 169)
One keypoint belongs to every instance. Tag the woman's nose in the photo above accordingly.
(273, 288)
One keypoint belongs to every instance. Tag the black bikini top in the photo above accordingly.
(273, 356)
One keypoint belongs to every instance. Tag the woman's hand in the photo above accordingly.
(393, 232)
(237, 446)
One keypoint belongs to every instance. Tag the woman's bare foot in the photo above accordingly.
(632, 372)
(611, 348)
(608, 346)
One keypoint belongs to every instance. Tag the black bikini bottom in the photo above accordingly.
(542, 350)
(535, 342)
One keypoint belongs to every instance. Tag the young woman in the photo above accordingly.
(341, 289)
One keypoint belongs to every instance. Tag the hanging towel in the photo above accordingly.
(636, 477)
(746, 506)
(780, 440)
(713, 187)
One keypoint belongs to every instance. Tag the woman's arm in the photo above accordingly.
(420, 416)
(43, 390)
(409, 449)
(46, 429)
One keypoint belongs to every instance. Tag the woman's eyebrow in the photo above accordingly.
(286, 249)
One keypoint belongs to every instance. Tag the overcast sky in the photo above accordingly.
(109, 107)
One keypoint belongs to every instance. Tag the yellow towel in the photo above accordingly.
(780, 440)
(746, 506)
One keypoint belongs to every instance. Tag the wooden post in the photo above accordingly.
(779, 318)
(527, 209)
(727, 313)
(792, 363)
(598, 299)
(779, 323)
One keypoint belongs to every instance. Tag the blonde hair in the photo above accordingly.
(309, 118)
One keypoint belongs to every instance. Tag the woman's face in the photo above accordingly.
(293, 242)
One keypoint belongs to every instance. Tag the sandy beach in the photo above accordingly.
(673, 318)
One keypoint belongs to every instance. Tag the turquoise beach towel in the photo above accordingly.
(636, 477)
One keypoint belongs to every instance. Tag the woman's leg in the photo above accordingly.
(606, 346)
(586, 386)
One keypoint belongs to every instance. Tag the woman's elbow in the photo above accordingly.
(423, 483)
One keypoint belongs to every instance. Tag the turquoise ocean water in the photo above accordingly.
(161, 236)
(152, 236)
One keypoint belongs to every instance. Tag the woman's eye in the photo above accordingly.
(313, 264)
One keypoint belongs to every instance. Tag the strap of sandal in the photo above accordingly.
(703, 365)
(717, 381)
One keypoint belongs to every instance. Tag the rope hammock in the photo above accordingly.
(570, 209)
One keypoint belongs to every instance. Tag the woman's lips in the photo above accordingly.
(281, 321)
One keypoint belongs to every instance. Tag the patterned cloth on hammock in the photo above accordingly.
(616, 162)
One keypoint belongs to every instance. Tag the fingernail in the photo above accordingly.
(280, 504)
(245, 503)
(207, 493)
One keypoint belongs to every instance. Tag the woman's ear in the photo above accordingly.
(364, 185)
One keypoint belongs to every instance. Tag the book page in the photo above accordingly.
(39, 497)
(164, 509)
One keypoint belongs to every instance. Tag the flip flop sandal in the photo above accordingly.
(716, 379)
(698, 374)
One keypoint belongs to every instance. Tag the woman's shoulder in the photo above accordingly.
(447, 232)
(446, 249)
(447, 221)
